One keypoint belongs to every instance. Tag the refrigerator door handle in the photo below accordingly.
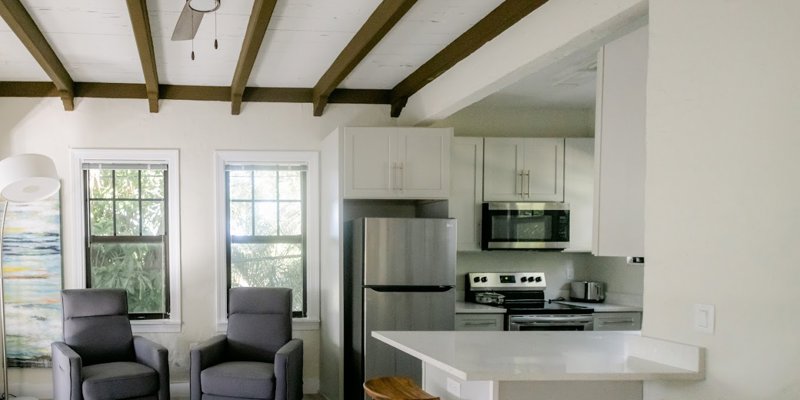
(432, 288)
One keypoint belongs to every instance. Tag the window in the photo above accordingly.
(269, 218)
(129, 228)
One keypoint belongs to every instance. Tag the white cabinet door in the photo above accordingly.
(466, 186)
(620, 147)
(579, 191)
(369, 162)
(397, 163)
(523, 169)
(424, 162)
(543, 176)
(502, 169)
(479, 322)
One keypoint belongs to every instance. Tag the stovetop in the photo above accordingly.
(523, 293)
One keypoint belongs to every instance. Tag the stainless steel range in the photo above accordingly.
(522, 295)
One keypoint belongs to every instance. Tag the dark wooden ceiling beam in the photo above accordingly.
(21, 23)
(140, 22)
(200, 93)
(253, 37)
(377, 26)
(493, 24)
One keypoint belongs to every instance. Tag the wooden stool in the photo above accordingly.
(395, 388)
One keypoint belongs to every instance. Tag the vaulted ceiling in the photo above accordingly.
(316, 51)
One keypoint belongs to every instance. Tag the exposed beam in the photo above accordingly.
(493, 24)
(201, 93)
(377, 26)
(253, 37)
(21, 23)
(140, 22)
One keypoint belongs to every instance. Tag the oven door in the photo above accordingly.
(525, 225)
(550, 322)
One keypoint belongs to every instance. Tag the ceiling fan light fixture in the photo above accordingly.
(206, 6)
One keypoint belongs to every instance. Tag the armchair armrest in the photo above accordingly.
(154, 356)
(289, 371)
(202, 356)
(67, 366)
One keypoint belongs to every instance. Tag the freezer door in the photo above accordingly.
(409, 252)
(402, 311)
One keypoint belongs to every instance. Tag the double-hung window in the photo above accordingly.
(269, 213)
(129, 228)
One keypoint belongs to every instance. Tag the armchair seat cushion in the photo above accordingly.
(248, 379)
(117, 380)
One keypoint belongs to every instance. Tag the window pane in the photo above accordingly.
(135, 267)
(290, 184)
(269, 265)
(101, 183)
(241, 185)
(128, 218)
(152, 218)
(127, 183)
(266, 185)
(266, 218)
(291, 218)
(102, 217)
(152, 184)
(241, 218)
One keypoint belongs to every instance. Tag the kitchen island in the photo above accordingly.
(547, 365)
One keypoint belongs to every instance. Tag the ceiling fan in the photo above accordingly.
(190, 18)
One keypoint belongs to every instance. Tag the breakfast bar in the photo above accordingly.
(569, 365)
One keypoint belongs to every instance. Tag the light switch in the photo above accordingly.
(704, 318)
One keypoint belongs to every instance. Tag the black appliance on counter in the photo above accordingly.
(522, 295)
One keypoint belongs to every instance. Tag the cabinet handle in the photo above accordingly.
(402, 175)
(616, 322)
(394, 176)
(528, 180)
(518, 191)
(487, 323)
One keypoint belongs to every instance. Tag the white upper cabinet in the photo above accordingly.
(578, 191)
(397, 163)
(620, 147)
(466, 186)
(523, 169)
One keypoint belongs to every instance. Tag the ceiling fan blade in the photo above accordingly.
(187, 24)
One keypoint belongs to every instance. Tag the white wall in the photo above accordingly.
(520, 122)
(197, 129)
(722, 192)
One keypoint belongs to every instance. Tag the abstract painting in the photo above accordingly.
(31, 261)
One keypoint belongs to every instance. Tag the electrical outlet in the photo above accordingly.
(453, 387)
(570, 272)
(704, 318)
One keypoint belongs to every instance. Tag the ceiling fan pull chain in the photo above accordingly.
(216, 44)
(187, 1)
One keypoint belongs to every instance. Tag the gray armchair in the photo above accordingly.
(257, 359)
(99, 357)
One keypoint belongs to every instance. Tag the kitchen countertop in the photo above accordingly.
(603, 307)
(474, 308)
(550, 356)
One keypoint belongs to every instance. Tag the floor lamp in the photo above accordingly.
(23, 178)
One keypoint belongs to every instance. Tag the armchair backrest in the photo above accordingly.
(96, 324)
(259, 323)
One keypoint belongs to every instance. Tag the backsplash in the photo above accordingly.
(624, 282)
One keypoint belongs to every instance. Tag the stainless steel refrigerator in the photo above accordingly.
(403, 279)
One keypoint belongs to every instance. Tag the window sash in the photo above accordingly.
(129, 239)
(268, 239)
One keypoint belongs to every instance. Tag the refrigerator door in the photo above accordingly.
(402, 311)
(409, 252)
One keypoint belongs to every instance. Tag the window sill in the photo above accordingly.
(298, 324)
(156, 326)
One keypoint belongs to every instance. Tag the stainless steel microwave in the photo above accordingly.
(525, 226)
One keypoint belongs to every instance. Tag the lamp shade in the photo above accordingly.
(28, 177)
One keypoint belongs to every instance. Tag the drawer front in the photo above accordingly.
(618, 321)
(479, 322)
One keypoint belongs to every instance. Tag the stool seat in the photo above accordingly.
(395, 388)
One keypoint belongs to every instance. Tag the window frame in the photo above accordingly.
(311, 159)
(172, 204)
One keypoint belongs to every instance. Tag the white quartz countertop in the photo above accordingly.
(474, 308)
(604, 307)
(550, 356)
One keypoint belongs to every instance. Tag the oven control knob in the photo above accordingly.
(538, 279)
(476, 279)
(483, 279)
(524, 279)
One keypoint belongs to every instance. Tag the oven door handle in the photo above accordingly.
(550, 320)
